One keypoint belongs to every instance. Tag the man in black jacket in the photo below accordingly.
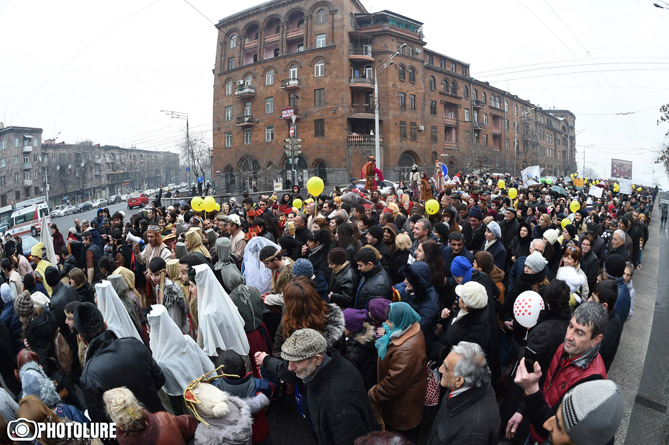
(509, 226)
(606, 293)
(113, 362)
(374, 281)
(344, 279)
(62, 294)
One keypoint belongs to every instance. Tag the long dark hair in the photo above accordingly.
(436, 262)
(345, 237)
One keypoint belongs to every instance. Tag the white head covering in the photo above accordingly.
(6, 293)
(220, 325)
(114, 312)
(255, 272)
(180, 358)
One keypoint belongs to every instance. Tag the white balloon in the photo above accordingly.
(527, 307)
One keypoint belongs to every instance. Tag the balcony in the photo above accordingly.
(362, 139)
(291, 84)
(361, 111)
(361, 53)
(250, 44)
(477, 104)
(294, 33)
(27, 148)
(245, 121)
(361, 83)
(27, 165)
(450, 145)
(496, 130)
(450, 121)
(289, 111)
(27, 182)
(245, 91)
(478, 125)
(272, 38)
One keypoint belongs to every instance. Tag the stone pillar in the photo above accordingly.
(307, 32)
(282, 41)
(261, 45)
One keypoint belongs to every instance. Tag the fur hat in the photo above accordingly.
(494, 228)
(354, 318)
(536, 262)
(303, 344)
(88, 320)
(473, 294)
(303, 267)
(570, 276)
(51, 276)
(376, 231)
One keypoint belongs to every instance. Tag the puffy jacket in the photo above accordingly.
(474, 239)
(624, 301)
(473, 327)
(343, 285)
(161, 428)
(361, 351)
(373, 284)
(546, 336)
(112, 362)
(498, 252)
(40, 334)
(14, 326)
(423, 298)
(62, 294)
(69, 264)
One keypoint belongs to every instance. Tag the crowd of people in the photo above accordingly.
(396, 317)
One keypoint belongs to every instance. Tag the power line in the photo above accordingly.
(567, 61)
(200, 12)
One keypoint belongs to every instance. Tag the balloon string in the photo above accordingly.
(527, 333)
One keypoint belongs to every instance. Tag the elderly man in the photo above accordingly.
(617, 245)
(336, 398)
(536, 245)
(469, 414)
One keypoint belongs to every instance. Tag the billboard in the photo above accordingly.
(621, 169)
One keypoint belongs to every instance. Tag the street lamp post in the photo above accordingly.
(184, 116)
(384, 64)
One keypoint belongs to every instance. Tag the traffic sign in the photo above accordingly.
(187, 169)
(200, 179)
(291, 132)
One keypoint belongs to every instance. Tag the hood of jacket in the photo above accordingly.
(419, 277)
(364, 335)
(335, 327)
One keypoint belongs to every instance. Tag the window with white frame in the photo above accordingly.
(228, 88)
(228, 113)
(321, 16)
(233, 41)
(269, 105)
(466, 115)
(319, 69)
(320, 40)
(3, 144)
(269, 78)
(248, 133)
(228, 139)
(231, 63)
(248, 80)
(269, 133)
(292, 72)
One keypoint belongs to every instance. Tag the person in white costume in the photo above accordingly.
(114, 312)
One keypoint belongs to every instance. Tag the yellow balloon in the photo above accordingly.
(209, 204)
(197, 204)
(565, 222)
(297, 203)
(501, 184)
(639, 189)
(315, 186)
(513, 193)
(218, 207)
(574, 206)
(431, 206)
(308, 200)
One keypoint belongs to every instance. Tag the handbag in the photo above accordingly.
(433, 386)
(63, 353)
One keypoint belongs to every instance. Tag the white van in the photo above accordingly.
(26, 221)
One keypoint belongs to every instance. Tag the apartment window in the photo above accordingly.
(476, 116)
(454, 88)
(483, 97)
(292, 72)
(228, 139)
(485, 140)
(442, 64)
(475, 94)
(233, 41)
(269, 105)
(248, 109)
(269, 78)
(228, 113)
(320, 41)
(231, 63)
(3, 144)
(433, 83)
(403, 129)
(248, 80)
(464, 71)
(321, 17)
(16, 159)
(414, 130)
(465, 92)
(35, 158)
(412, 102)
(26, 159)
(3, 181)
(319, 128)
(247, 136)
(16, 177)
(228, 88)
(403, 101)
(412, 75)
(454, 67)
(466, 115)
(506, 106)
(515, 111)
(485, 118)
(515, 127)
(506, 124)
(433, 134)
(506, 144)
(269, 133)
(319, 97)
(3, 163)
(433, 107)
(26, 175)
(319, 69)
(430, 59)
(401, 72)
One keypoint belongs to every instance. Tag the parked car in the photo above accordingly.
(138, 200)
(84, 206)
(113, 199)
(68, 210)
(99, 202)
(124, 197)
(58, 212)
(28, 242)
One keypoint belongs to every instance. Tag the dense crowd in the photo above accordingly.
(470, 309)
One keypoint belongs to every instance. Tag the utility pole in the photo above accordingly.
(384, 64)
(189, 151)
(293, 147)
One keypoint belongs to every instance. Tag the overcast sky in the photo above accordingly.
(103, 71)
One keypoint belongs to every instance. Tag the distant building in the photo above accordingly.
(316, 60)
(20, 164)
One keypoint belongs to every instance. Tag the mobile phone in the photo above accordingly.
(530, 358)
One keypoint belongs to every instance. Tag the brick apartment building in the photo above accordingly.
(75, 172)
(316, 60)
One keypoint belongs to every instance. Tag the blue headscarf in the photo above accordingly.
(402, 316)
(461, 267)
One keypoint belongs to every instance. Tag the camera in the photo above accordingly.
(22, 430)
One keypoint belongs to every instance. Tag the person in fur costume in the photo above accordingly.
(135, 425)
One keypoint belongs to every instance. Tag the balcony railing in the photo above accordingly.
(362, 108)
(245, 121)
(291, 84)
(362, 80)
(496, 130)
(245, 91)
(479, 125)
(362, 139)
(478, 104)
(365, 51)
(27, 165)
(450, 121)
(27, 148)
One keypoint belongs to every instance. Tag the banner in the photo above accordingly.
(621, 169)
(596, 192)
(531, 175)
(578, 182)
(625, 186)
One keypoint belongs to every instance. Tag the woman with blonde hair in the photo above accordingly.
(400, 256)
(32, 408)
(135, 425)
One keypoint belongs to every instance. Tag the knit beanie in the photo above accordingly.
(376, 231)
(475, 212)
(614, 266)
(473, 294)
(354, 318)
(303, 344)
(442, 229)
(461, 267)
(536, 262)
(378, 308)
(571, 229)
(6, 293)
(303, 267)
(23, 305)
(494, 228)
(51, 276)
(551, 235)
(592, 411)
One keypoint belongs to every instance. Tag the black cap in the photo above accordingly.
(51, 276)
(592, 228)
(614, 266)
(157, 264)
(88, 321)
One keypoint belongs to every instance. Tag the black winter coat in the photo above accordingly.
(343, 285)
(399, 259)
(509, 231)
(473, 327)
(86, 293)
(319, 259)
(361, 351)
(373, 284)
(40, 334)
(63, 294)
(69, 264)
(112, 362)
(611, 339)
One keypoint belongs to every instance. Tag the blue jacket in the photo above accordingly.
(498, 252)
(624, 301)
(423, 299)
(14, 326)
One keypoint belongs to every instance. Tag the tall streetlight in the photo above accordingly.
(383, 64)
(184, 116)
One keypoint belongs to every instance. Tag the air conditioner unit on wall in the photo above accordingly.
(418, 50)
(421, 128)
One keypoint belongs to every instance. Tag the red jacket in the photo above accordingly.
(562, 375)
(162, 428)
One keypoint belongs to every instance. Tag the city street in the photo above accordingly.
(65, 222)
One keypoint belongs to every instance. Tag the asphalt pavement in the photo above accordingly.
(65, 222)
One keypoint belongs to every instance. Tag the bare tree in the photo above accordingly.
(196, 150)
(663, 157)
